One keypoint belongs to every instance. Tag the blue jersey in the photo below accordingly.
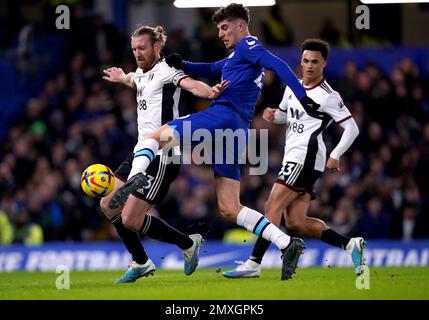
(244, 69)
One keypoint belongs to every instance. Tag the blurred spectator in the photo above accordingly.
(276, 30)
(330, 33)
(374, 221)
(177, 43)
(347, 84)
(6, 229)
(27, 232)
(206, 33)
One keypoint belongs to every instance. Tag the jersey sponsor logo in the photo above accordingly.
(295, 113)
(140, 92)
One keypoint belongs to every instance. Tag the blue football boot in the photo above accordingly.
(136, 271)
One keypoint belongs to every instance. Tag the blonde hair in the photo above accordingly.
(155, 34)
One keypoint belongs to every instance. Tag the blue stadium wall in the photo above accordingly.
(215, 254)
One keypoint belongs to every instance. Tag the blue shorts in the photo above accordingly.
(224, 133)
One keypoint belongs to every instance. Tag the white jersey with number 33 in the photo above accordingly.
(304, 143)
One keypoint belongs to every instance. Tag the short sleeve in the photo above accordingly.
(336, 108)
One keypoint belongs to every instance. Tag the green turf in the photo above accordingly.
(308, 283)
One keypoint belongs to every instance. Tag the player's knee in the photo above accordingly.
(129, 222)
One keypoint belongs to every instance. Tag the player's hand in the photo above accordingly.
(333, 165)
(114, 75)
(268, 114)
(309, 105)
(174, 60)
(218, 89)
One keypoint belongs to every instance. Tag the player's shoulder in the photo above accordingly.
(248, 43)
(333, 98)
(164, 67)
(329, 91)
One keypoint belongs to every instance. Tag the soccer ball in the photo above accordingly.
(97, 181)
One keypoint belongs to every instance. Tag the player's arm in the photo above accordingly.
(200, 89)
(196, 69)
(257, 54)
(341, 114)
(117, 75)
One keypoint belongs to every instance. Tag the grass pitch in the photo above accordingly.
(208, 284)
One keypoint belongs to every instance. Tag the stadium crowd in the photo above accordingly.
(78, 119)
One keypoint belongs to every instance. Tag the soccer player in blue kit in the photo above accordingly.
(232, 110)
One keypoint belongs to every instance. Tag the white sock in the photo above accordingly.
(145, 152)
(255, 222)
(252, 264)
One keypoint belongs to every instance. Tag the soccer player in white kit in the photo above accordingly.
(305, 159)
(158, 91)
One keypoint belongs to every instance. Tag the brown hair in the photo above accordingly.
(232, 11)
(316, 45)
(155, 34)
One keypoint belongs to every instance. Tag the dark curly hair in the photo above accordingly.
(316, 45)
(231, 11)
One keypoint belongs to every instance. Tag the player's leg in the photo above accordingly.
(140, 265)
(144, 153)
(227, 191)
(161, 173)
(297, 220)
(280, 197)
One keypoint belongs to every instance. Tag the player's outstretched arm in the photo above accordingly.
(195, 69)
(117, 75)
(200, 89)
(272, 62)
